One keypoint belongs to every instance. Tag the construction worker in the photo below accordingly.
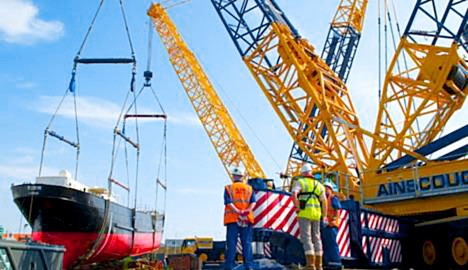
(270, 184)
(331, 256)
(239, 201)
(308, 193)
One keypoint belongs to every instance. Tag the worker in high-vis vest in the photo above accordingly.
(311, 206)
(331, 254)
(239, 202)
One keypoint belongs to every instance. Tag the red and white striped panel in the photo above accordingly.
(372, 221)
(375, 244)
(267, 249)
(343, 237)
(275, 211)
(394, 246)
(239, 246)
(382, 223)
(364, 244)
(395, 251)
(364, 238)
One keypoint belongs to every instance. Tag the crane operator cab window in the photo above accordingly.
(188, 243)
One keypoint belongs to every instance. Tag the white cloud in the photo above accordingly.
(25, 150)
(21, 167)
(14, 172)
(20, 23)
(91, 110)
(25, 85)
(102, 113)
(186, 119)
(18, 171)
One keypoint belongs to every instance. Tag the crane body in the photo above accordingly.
(425, 88)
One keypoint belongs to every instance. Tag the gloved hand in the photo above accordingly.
(242, 219)
(325, 220)
(244, 212)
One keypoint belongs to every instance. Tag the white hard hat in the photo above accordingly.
(328, 184)
(331, 185)
(237, 171)
(306, 168)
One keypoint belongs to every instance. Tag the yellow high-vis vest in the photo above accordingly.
(311, 189)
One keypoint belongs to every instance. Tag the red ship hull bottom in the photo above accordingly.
(112, 247)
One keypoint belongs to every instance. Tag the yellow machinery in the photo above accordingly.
(220, 127)
(190, 245)
(226, 138)
(339, 52)
(425, 84)
(205, 248)
(311, 100)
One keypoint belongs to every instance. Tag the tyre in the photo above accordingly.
(428, 254)
(459, 253)
(221, 257)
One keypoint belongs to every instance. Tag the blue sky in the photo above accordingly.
(38, 41)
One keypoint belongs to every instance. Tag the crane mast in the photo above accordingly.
(296, 80)
(218, 124)
(339, 51)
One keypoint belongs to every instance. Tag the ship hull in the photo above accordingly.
(91, 228)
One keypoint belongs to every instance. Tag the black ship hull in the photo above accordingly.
(91, 228)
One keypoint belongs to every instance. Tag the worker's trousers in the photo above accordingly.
(310, 236)
(245, 233)
(331, 252)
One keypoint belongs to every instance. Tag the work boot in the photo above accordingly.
(310, 262)
(318, 263)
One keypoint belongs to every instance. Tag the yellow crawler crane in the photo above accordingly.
(223, 133)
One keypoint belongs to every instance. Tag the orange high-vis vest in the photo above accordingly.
(240, 194)
(332, 214)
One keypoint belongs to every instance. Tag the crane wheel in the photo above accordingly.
(459, 251)
(429, 253)
(202, 258)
